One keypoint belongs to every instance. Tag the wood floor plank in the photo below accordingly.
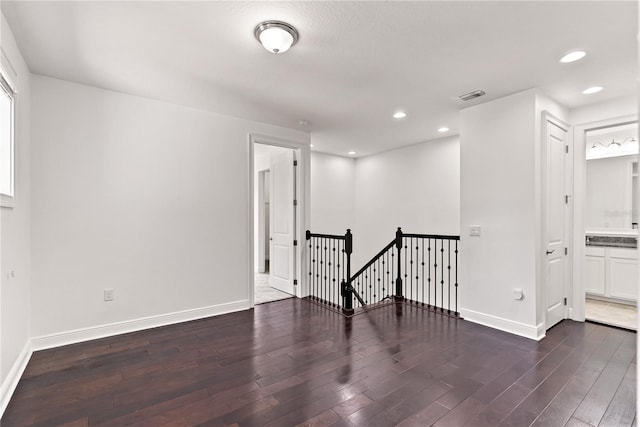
(621, 410)
(292, 362)
(592, 408)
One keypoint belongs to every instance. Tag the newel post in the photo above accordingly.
(399, 295)
(347, 293)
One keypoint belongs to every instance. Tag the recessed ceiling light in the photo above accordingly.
(399, 115)
(303, 122)
(443, 129)
(351, 152)
(593, 89)
(573, 56)
(311, 145)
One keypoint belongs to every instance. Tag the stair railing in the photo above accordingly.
(414, 268)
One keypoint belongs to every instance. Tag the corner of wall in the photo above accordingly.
(15, 231)
(13, 377)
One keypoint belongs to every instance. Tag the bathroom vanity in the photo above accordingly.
(611, 265)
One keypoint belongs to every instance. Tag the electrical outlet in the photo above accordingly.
(474, 230)
(108, 294)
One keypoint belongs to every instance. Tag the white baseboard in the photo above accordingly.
(11, 381)
(94, 332)
(522, 329)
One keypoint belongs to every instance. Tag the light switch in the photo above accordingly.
(474, 230)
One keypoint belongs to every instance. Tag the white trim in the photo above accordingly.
(94, 332)
(7, 201)
(517, 328)
(579, 199)
(8, 71)
(11, 381)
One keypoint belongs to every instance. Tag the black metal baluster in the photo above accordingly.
(442, 275)
(417, 271)
(316, 263)
(334, 282)
(435, 274)
(378, 281)
(422, 244)
(410, 252)
(449, 276)
(429, 273)
(322, 280)
(406, 270)
(399, 289)
(388, 283)
(456, 277)
(310, 263)
(393, 266)
(331, 277)
(368, 284)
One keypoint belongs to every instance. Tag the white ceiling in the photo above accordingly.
(355, 64)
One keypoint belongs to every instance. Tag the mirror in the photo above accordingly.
(612, 178)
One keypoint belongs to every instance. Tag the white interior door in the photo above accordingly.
(554, 222)
(282, 221)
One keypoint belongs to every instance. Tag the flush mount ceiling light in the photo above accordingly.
(276, 36)
(443, 129)
(399, 115)
(351, 152)
(573, 56)
(594, 89)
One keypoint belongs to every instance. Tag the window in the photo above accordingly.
(7, 101)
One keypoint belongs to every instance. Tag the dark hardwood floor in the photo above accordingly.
(292, 362)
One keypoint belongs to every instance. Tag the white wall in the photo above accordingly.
(148, 198)
(332, 193)
(497, 155)
(617, 107)
(15, 292)
(416, 188)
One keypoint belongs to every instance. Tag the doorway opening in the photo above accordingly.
(610, 229)
(275, 222)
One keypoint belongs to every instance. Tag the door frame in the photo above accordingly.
(547, 117)
(576, 310)
(303, 155)
(262, 221)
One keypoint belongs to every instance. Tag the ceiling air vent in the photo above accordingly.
(471, 95)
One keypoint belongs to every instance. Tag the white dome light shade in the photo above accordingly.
(276, 36)
(573, 56)
(593, 89)
(399, 115)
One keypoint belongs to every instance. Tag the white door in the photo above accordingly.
(554, 222)
(282, 221)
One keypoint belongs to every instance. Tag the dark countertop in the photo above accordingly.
(628, 242)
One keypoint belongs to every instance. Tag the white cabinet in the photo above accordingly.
(611, 272)
(594, 271)
(623, 273)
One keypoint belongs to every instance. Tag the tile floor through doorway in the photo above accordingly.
(610, 313)
(264, 292)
